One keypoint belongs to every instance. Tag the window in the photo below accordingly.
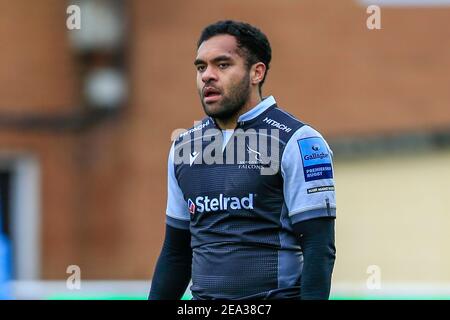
(19, 195)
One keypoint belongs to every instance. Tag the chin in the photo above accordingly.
(213, 109)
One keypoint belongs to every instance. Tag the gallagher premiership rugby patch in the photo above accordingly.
(316, 159)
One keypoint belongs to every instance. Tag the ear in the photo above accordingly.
(257, 72)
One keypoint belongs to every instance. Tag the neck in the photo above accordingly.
(231, 122)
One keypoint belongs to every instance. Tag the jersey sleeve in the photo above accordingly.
(308, 182)
(177, 214)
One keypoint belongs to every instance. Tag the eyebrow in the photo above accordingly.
(215, 60)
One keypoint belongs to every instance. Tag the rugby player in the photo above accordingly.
(235, 231)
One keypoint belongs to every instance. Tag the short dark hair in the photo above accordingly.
(250, 40)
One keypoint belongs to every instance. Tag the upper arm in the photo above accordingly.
(308, 176)
(177, 214)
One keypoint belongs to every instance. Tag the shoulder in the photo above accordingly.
(279, 121)
(308, 139)
(299, 137)
(294, 128)
(283, 120)
(290, 127)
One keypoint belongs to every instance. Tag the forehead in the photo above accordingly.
(219, 45)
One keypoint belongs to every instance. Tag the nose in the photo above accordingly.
(209, 75)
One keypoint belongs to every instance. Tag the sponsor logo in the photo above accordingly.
(316, 159)
(277, 124)
(222, 202)
(320, 189)
(192, 157)
(196, 128)
(191, 206)
(316, 156)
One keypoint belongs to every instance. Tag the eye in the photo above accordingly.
(201, 68)
(224, 65)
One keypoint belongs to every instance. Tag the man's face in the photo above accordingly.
(223, 79)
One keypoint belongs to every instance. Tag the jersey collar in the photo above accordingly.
(258, 109)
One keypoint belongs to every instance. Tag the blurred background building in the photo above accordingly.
(86, 117)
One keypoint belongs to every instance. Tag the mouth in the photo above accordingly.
(211, 94)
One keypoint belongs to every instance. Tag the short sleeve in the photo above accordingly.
(177, 214)
(308, 176)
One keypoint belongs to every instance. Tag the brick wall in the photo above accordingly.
(104, 188)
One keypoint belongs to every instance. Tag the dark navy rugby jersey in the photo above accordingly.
(239, 196)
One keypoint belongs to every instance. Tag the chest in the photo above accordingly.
(242, 168)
